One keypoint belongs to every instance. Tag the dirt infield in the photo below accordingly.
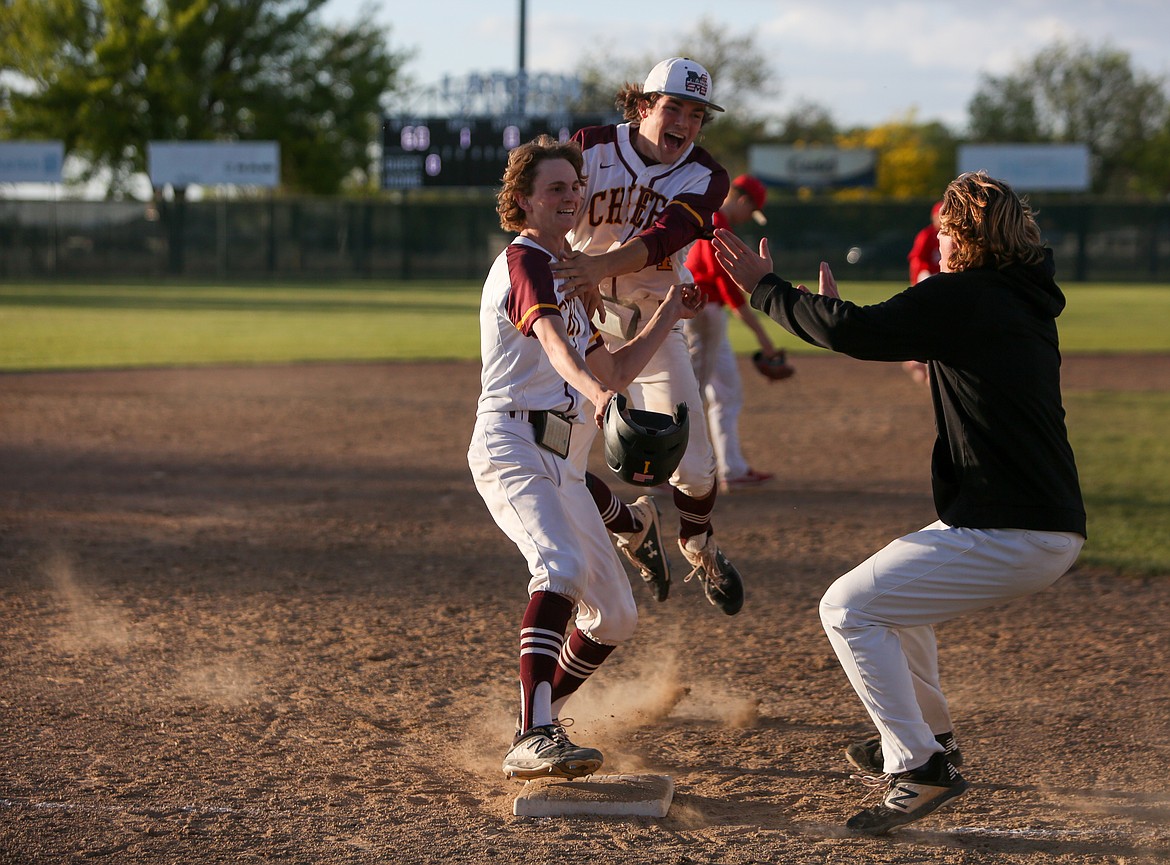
(261, 615)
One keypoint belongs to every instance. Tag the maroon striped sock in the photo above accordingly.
(616, 515)
(694, 515)
(542, 633)
(579, 660)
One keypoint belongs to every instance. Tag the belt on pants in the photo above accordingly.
(553, 429)
(536, 417)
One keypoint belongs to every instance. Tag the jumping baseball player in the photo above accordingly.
(546, 381)
(650, 193)
(637, 530)
(1011, 519)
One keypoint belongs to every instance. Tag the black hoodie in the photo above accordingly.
(1002, 457)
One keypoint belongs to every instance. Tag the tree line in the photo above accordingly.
(107, 76)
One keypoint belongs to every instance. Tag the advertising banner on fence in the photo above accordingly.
(213, 163)
(1031, 167)
(791, 167)
(31, 161)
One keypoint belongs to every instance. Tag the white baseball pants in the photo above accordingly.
(718, 374)
(541, 503)
(880, 619)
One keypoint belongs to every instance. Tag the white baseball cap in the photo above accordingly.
(681, 78)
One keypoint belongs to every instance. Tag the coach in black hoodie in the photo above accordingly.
(1011, 518)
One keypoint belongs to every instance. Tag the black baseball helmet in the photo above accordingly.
(644, 448)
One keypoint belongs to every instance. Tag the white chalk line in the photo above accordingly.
(1043, 834)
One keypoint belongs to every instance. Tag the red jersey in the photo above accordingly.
(707, 273)
(924, 254)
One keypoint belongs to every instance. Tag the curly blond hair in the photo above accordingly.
(520, 175)
(989, 225)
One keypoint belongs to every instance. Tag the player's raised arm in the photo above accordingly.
(621, 366)
(582, 271)
(569, 364)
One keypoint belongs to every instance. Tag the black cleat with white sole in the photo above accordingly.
(909, 796)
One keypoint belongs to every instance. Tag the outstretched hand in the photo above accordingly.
(745, 267)
(827, 284)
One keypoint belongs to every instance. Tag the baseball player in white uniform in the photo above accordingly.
(546, 380)
(650, 193)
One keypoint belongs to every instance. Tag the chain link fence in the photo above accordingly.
(457, 236)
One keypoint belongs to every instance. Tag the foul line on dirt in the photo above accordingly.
(986, 832)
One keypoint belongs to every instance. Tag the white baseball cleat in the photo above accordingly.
(751, 479)
(547, 751)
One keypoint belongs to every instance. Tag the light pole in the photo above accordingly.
(522, 74)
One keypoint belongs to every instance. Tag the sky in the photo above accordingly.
(867, 61)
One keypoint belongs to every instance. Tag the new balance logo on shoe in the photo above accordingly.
(548, 750)
(901, 796)
(909, 796)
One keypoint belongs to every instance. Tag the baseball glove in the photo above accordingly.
(775, 368)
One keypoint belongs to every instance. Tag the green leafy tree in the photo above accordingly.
(914, 159)
(107, 76)
(1073, 93)
(1153, 165)
(806, 124)
(1004, 110)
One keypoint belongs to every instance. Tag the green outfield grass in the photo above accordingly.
(1124, 459)
(85, 326)
(1118, 436)
(88, 326)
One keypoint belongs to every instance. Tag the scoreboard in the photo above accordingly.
(464, 151)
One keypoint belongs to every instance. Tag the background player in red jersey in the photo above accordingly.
(650, 192)
(924, 255)
(714, 361)
(924, 261)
